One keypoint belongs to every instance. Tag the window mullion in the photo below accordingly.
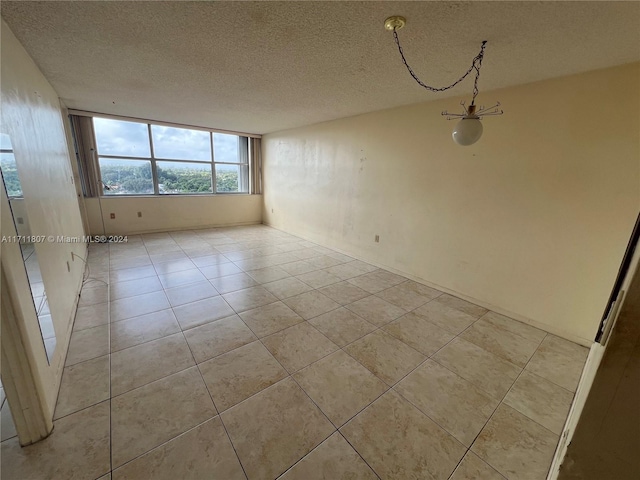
(214, 180)
(154, 167)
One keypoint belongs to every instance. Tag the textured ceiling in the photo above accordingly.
(260, 67)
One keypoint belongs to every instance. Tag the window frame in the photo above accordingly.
(243, 147)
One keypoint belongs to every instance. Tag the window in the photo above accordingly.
(8, 168)
(147, 159)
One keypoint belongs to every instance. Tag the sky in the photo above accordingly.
(116, 137)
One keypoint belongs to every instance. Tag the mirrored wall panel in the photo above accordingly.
(17, 202)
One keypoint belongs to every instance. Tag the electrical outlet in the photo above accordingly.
(377, 239)
(113, 216)
(139, 214)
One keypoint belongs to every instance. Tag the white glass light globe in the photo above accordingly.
(467, 131)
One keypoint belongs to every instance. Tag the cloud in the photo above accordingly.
(131, 139)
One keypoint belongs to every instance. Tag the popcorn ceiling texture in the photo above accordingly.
(260, 67)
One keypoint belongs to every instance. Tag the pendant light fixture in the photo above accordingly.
(468, 130)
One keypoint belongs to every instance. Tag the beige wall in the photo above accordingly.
(31, 116)
(19, 211)
(171, 213)
(533, 220)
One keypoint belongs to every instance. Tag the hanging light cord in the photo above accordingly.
(475, 65)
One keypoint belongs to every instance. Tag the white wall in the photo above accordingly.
(532, 221)
(165, 213)
(31, 116)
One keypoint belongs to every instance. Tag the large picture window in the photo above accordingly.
(146, 159)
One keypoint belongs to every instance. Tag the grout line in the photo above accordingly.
(320, 269)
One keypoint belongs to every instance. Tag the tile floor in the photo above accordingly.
(245, 352)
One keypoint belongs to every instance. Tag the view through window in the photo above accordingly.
(8, 167)
(146, 159)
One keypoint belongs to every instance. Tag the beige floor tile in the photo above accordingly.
(515, 445)
(342, 326)
(270, 319)
(340, 386)
(311, 304)
(220, 270)
(78, 449)
(83, 385)
(332, 459)
(131, 251)
(319, 278)
(291, 427)
(239, 374)
(145, 363)
(371, 282)
(7, 426)
(190, 293)
(343, 293)
(518, 328)
(298, 346)
(376, 310)
(346, 271)
(540, 400)
(386, 356)
(185, 277)
(203, 452)
(409, 295)
(449, 400)
(165, 253)
(253, 263)
(342, 258)
(146, 417)
(106, 477)
(462, 305)
(232, 283)
(92, 295)
(135, 273)
(501, 342)
(306, 253)
(398, 441)
(559, 361)
(249, 298)
(138, 286)
(216, 338)
(485, 370)
(138, 305)
(208, 260)
(91, 316)
(287, 287)
(201, 251)
(389, 277)
(137, 330)
(268, 274)
(419, 333)
(130, 262)
(88, 344)
(450, 319)
(298, 268)
(473, 468)
(324, 261)
(202, 312)
(173, 266)
(362, 266)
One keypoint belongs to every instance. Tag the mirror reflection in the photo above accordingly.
(13, 187)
